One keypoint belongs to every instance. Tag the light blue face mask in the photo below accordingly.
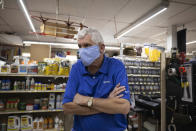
(89, 55)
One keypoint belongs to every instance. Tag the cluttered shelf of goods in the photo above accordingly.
(22, 66)
(39, 123)
(31, 94)
(27, 91)
(31, 75)
(36, 104)
(31, 111)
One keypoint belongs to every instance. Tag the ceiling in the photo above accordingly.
(108, 16)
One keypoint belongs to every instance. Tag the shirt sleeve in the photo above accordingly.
(71, 87)
(121, 77)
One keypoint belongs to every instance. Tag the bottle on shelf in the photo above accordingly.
(0, 85)
(32, 84)
(27, 84)
(56, 120)
(45, 123)
(35, 123)
(8, 83)
(50, 123)
(41, 123)
(15, 85)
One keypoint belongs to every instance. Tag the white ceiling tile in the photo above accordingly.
(14, 17)
(187, 1)
(135, 9)
(11, 4)
(105, 8)
(41, 5)
(2, 22)
(4, 28)
(75, 7)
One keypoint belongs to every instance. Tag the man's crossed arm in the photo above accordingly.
(114, 104)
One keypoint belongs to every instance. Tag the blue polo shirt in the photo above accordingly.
(100, 85)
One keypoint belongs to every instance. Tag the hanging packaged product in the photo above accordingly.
(155, 53)
(26, 123)
(13, 123)
(5, 69)
(146, 49)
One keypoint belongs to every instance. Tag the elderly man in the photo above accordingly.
(97, 90)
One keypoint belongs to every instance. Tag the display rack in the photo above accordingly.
(26, 94)
(143, 75)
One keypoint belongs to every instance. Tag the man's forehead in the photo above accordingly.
(86, 38)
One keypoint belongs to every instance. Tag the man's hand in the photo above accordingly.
(117, 90)
(80, 99)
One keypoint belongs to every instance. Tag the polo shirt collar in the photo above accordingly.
(103, 68)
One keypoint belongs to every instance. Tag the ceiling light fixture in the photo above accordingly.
(191, 42)
(25, 11)
(69, 45)
(148, 16)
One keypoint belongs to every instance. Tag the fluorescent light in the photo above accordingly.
(148, 16)
(24, 9)
(64, 45)
(112, 48)
(191, 42)
(26, 54)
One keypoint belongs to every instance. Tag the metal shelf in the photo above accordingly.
(31, 75)
(141, 75)
(26, 91)
(143, 67)
(33, 111)
(131, 83)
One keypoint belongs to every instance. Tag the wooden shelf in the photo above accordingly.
(33, 111)
(26, 91)
(31, 75)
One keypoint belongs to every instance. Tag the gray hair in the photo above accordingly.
(95, 35)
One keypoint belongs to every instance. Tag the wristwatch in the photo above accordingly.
(90, 102)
